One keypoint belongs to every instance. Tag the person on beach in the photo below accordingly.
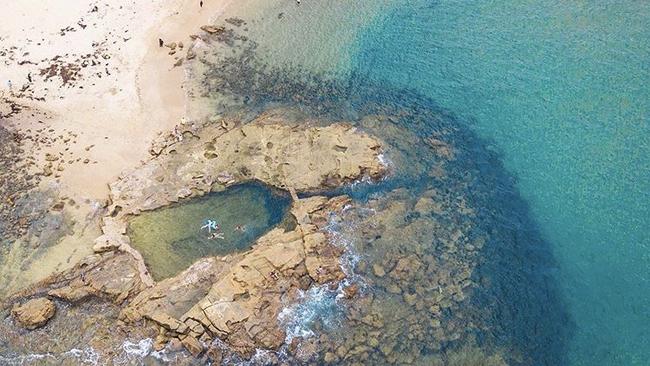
(177, 134)
(160, 42)
(9, 85)
(201, 3)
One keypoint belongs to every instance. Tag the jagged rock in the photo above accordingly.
(160, 342)
(34, 313)
(50, 157)
(114, 276)
(215, 355)
(225, 178)
(351, 291)
(236, 298)
(178, 294)
(192, 345)
(109, 242)
(184, 193)
(324, 269)
(168, 322)
(71, 294)
(243, 305)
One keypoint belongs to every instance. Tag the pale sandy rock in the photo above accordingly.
(34, 313)
(324, 269)
(109, 242)
(212, 29)
(178, 294)
(113, 276)
(168, 322)
(285, 156)
(236, 298)
(71, 294)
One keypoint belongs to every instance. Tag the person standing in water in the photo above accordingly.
(201, 3)
(160, 42)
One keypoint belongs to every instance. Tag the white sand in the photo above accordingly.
(118, 105)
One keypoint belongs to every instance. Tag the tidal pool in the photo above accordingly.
(172, 238)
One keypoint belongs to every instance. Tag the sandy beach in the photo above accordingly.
(94, 88)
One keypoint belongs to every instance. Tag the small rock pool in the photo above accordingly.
(170, 239)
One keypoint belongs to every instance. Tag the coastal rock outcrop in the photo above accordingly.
(302, 156)
(250, 289)
(236, 298)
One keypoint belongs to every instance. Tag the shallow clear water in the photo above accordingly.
(172, 238)
(561, 90)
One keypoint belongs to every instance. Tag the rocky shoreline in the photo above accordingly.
(237, 298)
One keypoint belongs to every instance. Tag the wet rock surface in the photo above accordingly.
(14, 185)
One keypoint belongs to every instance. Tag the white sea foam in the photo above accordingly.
(86, 356)
(384, 160)
(25, 359)
(298, 317)
(321, 302)
(140, 349)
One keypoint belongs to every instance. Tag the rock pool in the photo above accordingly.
(172, 238)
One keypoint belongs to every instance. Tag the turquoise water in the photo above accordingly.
(562, 91)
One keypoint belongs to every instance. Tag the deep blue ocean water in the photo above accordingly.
(561, 90)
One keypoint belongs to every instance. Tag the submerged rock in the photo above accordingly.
(34, 313)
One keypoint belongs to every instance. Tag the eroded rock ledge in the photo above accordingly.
(248, 290)
(235, 298)
(269, 150)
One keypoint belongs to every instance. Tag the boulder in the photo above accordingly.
(34, 313)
